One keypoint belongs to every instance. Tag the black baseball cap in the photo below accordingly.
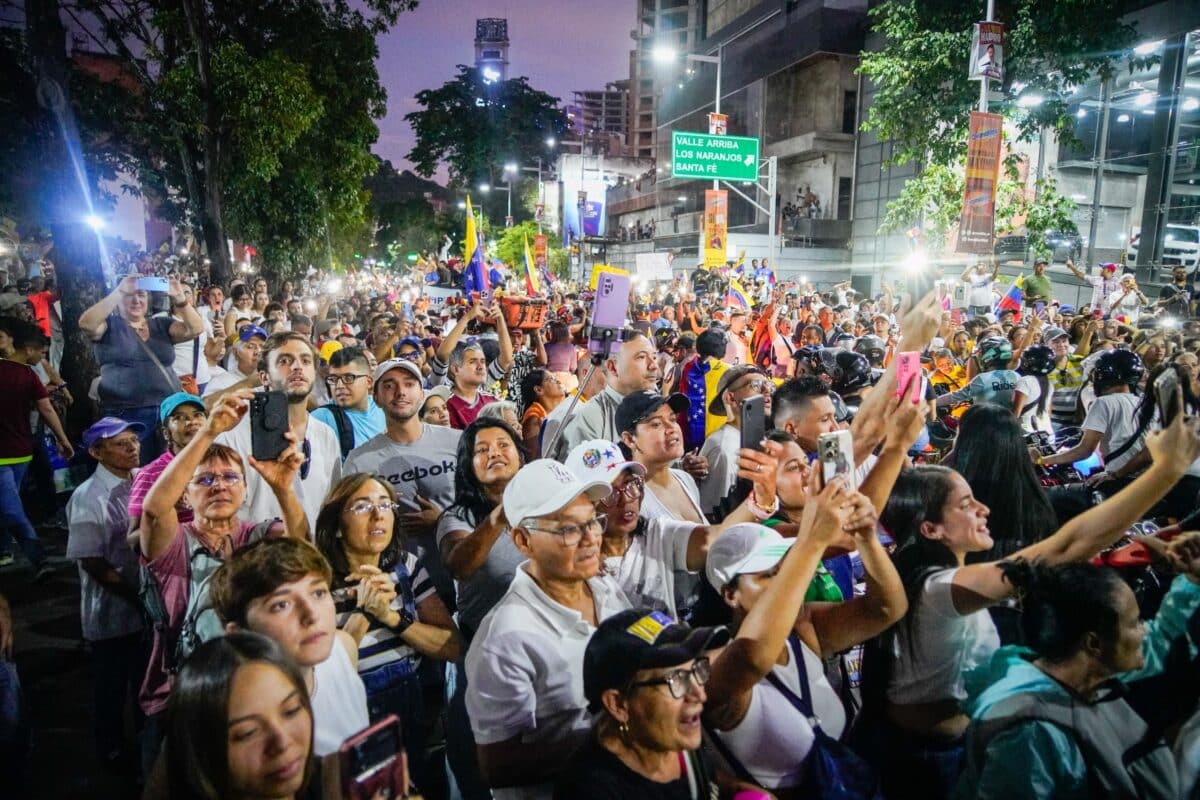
(639, 405)
(638, 639)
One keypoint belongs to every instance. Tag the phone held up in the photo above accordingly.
(754, 422)
(373, 763)
(268, 424)
(908, 366)
(835, 452)
(1166, 395)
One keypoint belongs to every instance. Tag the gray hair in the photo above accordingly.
(498, 408)
(459, 353)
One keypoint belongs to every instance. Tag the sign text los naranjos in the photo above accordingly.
(700, 155)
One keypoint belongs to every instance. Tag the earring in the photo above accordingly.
(337, 535)
(623, 731)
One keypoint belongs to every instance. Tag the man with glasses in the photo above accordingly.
(243, 372)
(737, 385)
(109, 608)
(524, 669)
(352, 415)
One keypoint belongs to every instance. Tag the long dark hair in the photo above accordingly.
(196, 749)
(329, 526)
(470, 499)
(990, 453)
(1061, 604)
(529, 384)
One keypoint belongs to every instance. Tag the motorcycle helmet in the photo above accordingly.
(808, 359)
(994, 352)
(848, 371)
(664, 338)
(872, 348)
(844, 340)
(1037, 360)
(1116, 368)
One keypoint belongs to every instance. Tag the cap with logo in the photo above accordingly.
(600, 460)
(250, 331)
(743, 548)
(545, 486)
(637, 639)
(108, 427)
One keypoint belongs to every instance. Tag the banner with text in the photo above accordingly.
(975, 227)
(716, 226)
(987, 52)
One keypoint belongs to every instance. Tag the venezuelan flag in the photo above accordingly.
(737, 296)
(1013, 297)
(740, 265)
(475, 278)
(532, 282)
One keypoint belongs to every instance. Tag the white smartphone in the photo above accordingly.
(835, 452)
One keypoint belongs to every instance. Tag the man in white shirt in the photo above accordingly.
(737, 347)
(737, 385)
(979, 281)
(1105, 282)
(291, 368)
(524, 669)
(243, 370)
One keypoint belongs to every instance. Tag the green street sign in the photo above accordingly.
(726, 158)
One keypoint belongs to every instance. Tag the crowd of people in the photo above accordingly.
(774, 542)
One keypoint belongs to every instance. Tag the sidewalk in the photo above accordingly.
(56, 676)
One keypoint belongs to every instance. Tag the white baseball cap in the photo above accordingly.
(743, 548)
(600, 460)
(544, 486)
(398, 363)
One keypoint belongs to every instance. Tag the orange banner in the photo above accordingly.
(539, 251)
(716, 227)
(975, 227)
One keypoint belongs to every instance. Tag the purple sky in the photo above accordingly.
(560, 45)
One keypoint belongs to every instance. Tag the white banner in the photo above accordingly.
(438, 294)
(654, 266)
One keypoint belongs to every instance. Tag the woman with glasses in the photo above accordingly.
(386, 600)
(652, 558)
(644, 676)
(179, 557)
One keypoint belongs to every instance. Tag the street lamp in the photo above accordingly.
(665, 54)
(485, 187)
(551, 141)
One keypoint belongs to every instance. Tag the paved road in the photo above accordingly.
(55, 671)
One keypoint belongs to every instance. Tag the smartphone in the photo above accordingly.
(1098, 313)
(835, 452)
(152, 284)
(1166, 395)
(754, 422)
(407, 506)
(268, 424)
(1039, 309)
(907, 365)
(373, 762)
(608, 312)
(956, 316)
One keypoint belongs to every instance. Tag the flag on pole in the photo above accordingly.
(475, 277)
(532, 282)
(737, 296)
(740, 264)
(1013, 297)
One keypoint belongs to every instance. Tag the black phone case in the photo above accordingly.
(754, 422)
(268, 424)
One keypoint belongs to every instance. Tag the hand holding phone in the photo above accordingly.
(152, 284)
(754, 422)
(373, 763)
(1167, 395)
(908, 366)
(268, 424)
(835, 452)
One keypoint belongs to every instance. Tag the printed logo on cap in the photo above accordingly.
(561, 473)
(592, 458)
(650, 627)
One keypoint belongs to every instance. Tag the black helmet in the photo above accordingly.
(808, 357)
(840, 338)
(1037, 360)
(1116, 368)
(664, 338)
(994, 352)
(873, 348)
(848, 371)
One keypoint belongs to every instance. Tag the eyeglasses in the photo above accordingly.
(345, 380)
(572, 534)
(411, 355)
(677, 682)
(367, 507)
(209, 479)
(634, 489)
(762, 386)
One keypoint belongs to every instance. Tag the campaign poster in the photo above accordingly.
(975, 234)
(987, 52)
(716, 226)
(718, 124)
(539, 252)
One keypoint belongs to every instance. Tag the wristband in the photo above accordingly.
(406, 622)
(758, 511)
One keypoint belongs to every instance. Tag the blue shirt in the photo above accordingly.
(365, 424)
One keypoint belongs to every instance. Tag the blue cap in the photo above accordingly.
(108, 427)
(168, 406)
(409, 340)
(249, 331)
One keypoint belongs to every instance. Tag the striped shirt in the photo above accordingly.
(144, 479)
(381, 645)
(1066, 382)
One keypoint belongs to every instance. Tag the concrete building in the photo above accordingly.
(677, 23)
(598, 121)
(787, 78)
(491, 48)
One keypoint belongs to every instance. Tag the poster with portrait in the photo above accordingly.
(716, 226)
(987, 52)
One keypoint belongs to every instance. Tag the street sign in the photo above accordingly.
(700, 155)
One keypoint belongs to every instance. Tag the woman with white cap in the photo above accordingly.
(645, 554)
(757, 581)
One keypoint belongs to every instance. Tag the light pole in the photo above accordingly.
(664, 54)
(510, 169)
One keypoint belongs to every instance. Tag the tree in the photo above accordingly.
(258, 117)
(475, 127)
(510, 248)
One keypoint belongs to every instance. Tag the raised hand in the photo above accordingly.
(761, 468)
(281, 473)
(228, 411)
(1177, 445)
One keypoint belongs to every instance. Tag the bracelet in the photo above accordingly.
(758, 511)
(406, 622)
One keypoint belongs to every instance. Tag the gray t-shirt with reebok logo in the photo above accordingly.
(426, 467)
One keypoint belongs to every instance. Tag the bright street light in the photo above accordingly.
(94, 222)
(485, 187)
(1190, 104)
(664, 54)
(510, 167)
(462, 204)
(1144, 99)
(1030, 100)
(551, 141)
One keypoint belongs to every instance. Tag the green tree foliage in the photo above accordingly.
(475, 127)
(510, 248)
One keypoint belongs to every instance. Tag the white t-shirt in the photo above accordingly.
(324, 470)
(222, 381)
(721, 450)
(1114, 417)
(339, 701)
(525, 670)
(1031, 389)
(979, 290)
(937, 646)
(653, 507)
(646, 573)
(185, 351)
(1129, 307)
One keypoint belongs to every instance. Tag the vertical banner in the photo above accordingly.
(987, 52)
(716, 226)
(539, 251)
(718, 124)
(983, 170)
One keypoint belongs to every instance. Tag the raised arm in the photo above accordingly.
(280, 475)
(464, 552)
(452, 338)
(94, 321)
(1076, 270)
(505, 359)
(189, 325)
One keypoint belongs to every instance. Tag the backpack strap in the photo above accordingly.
(345, 431)
(803, 703)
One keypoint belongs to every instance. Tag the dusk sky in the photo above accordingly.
(560, 45)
